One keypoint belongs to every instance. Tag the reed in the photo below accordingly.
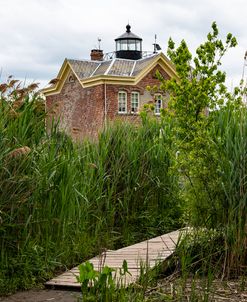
(62, 202)
(232, 128)
(216, 192)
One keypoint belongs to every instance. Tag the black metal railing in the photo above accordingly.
(112, 55)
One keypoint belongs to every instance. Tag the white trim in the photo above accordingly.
(126, 102)
(133, 68)
(95, 70)
(105, 117)
(159, 99)
(110, 66)
(138, 103)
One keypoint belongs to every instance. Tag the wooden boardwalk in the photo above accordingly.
(144, 254)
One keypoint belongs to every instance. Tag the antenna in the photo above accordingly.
(156, 46)
(155, 38)
(99, 40)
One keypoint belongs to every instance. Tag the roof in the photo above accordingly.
(141, 64)
(116, 67)
(83, 69)
(114, 71)
(128, 35)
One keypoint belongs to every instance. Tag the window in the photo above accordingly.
(134, 102)
(122, 102)
(158, 104)
(131, 45)
(138, 45)
(124, 45)
(71, 79)
(128, 45)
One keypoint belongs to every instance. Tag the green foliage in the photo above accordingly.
(217, 190)
(209, 136)
(200, 251)
(201, 87)
(61, 202)
(103, 285)
(107, 284)
(21, 114)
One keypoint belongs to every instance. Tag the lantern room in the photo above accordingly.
(129, 45)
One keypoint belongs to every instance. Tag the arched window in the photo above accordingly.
(122, 102)
(135, 102)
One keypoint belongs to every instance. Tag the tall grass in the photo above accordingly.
(217, 190)
(61, 202)
(232, 147)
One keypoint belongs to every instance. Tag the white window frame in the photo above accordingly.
(158, 104)
(135, 102)
(122, 102)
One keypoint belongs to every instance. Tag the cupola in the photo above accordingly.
(129, 45)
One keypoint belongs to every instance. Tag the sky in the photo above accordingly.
(37, 35)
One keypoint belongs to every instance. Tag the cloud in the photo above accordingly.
(36, 35)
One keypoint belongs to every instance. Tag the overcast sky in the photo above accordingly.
(37, 35)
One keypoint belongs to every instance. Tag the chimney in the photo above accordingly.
(97, 55)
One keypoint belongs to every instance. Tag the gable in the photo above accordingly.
(150, 78)
(65, 73)
(162, 64)
(115, 72)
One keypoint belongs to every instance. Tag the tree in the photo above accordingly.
(202, 87)
(209, 135)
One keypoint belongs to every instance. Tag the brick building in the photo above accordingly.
(90, 93)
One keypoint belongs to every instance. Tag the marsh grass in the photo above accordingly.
(233, 167)
(217, 189)
(62, 202)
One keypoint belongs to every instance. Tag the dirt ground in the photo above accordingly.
(228, 291)
(199, 290)
(43, 295)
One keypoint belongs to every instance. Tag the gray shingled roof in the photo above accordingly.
(102, 68)
(121, 67)
(83, 69)
(115, 67)
(141, 64)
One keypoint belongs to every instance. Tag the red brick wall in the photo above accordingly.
(81, 110)
(112, 95)
(151, 79)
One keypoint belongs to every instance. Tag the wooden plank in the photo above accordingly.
(137, 255)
